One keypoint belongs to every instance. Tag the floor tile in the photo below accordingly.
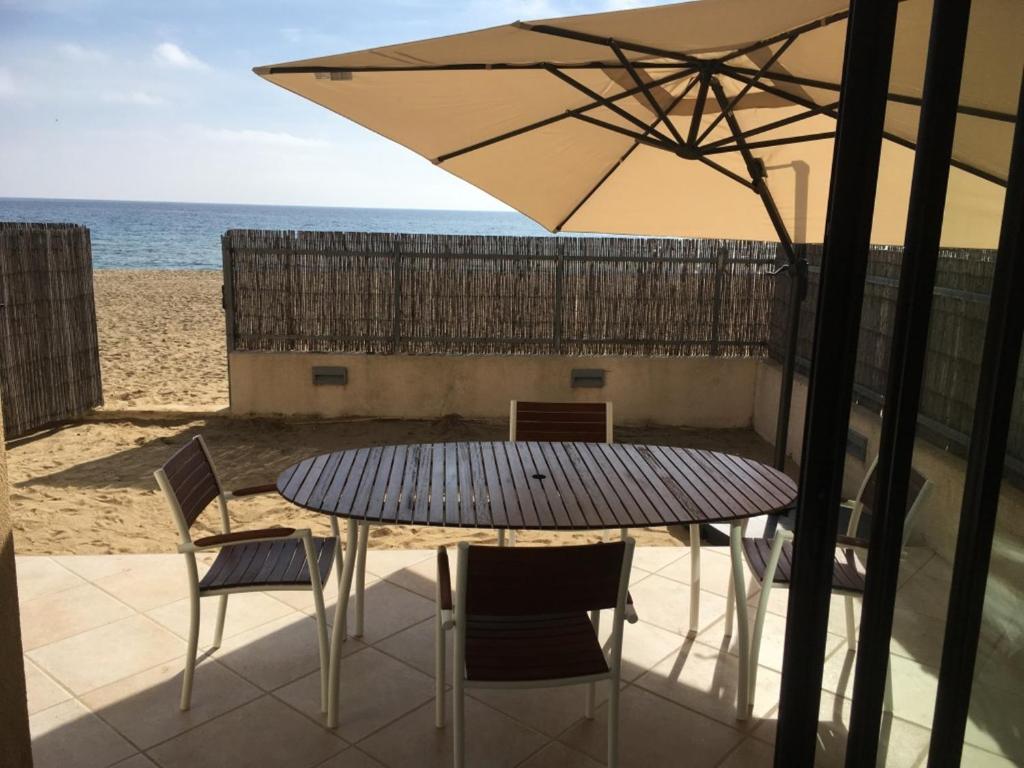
(43, 692)
(245, 611)
(374, 690)
(56, 616)
(384, 562)
(40, 576)
(715, 572)
(261, 734)
(666, 603)
(643, 645)
(388, 609)
(421, 577)
(492, 740)
(101, 656)
(93, 567)
(978, 758)
(751, 753)
(145, 707)
(135, 761)
(148, 584)
(274, 654)
(351, 758)
(557, 755)
(655, 732)
(69, 736)
(655, 558)
(705, 680)
(415, 646)
(548, 710)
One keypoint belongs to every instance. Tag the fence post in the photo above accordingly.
(227, 300)
(559, 298)
(396, 322)
(716, 319)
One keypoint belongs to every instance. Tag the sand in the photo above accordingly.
(89, 487)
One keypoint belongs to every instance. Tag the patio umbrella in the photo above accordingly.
(704, 119)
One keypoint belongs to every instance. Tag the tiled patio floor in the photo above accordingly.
(104, 648)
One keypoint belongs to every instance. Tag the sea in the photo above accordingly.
(141, 235)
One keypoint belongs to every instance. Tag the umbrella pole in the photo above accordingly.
(797, 268)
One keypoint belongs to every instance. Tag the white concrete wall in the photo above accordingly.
(696, 392)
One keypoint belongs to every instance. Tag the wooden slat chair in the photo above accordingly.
(770, 561)
(520, 620)
(558, 422)
(247, 561)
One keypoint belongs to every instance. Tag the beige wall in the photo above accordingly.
(15, 749)
(698, 392)
(937, 524)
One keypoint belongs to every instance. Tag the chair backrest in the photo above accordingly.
(189, 481)
(531, 581)
(918, 491)
(561, 422)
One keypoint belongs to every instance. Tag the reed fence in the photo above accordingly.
(429, 294)
(49, 352)
(955, 341)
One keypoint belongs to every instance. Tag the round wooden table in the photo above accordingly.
(534, 486)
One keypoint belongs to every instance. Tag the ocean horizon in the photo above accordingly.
(161, 235)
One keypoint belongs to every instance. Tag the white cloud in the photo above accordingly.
(79, 53)
(138, 98)
(7, 86)
(175, 56)
(266, 138)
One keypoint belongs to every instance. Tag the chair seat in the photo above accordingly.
(847, 575)
(525, 648)
(268, 564)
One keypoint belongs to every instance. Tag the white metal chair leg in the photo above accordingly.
(439, 664)
(739, 587)
(321, 619)
(190, 656)
(851, 624)
(694, 580)
(338, 630)
(613, 723)
(364, 537)
(222, 611)
(591, 702)
(730, 606)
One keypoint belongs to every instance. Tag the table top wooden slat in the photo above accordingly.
(536, 485)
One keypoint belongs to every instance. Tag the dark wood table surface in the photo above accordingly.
(535, 485)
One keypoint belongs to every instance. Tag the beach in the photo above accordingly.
(89, 487)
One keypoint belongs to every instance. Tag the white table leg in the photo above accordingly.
(339, 630)
(742, 624)
(364, 537)
(694, 580)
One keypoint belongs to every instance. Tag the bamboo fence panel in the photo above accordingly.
(955, 343)
(49, 351)
(438, 294)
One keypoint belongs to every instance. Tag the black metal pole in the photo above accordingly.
(869, 43)
(797, 291)
(985, 460)
(937, 124)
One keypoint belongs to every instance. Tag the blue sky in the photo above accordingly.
(155, 100)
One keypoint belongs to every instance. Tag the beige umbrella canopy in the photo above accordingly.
(703, 119)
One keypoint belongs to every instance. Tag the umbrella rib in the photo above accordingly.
(584, 37)
(799, 100)
(795, 32)
(640, 137)
(827, 109)
(309, 69)
(555, 118)
(899, 98)
(769, 142)
(647, 93)
(625, 156)
(604, 101)
(746, 88)
(698, 109)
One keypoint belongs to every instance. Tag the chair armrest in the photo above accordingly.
(444, 589)
(251, 490)
(852, 542)
(630, 614)
(242, 537)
